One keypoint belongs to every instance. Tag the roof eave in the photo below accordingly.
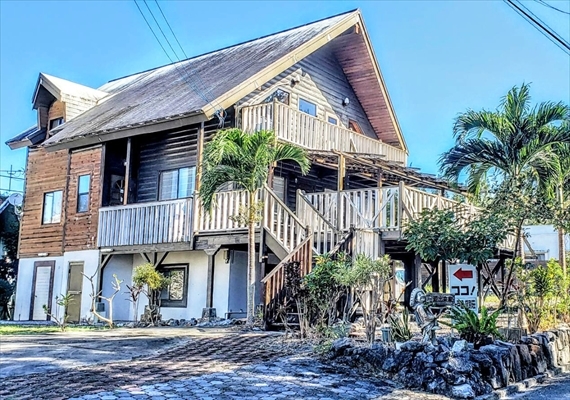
(128, 131)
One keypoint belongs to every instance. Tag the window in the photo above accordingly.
(52, 207)
(83, 193)
(54, 123)
(307, 107)
(332, 120)
(281, 95)
(353, 126)
(176, 293)
(177, 183)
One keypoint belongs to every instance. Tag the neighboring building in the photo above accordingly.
(543, 241)
(111, 173)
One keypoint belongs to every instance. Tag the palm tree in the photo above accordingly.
(511, 144)
(557, 188)
(245, 160)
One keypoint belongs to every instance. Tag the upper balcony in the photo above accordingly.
(304, 130)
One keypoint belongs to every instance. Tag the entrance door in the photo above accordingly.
(42, 289)
(74, 288)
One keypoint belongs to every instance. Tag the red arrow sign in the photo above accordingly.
(460, 274)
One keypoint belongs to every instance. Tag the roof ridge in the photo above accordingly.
(233, 45)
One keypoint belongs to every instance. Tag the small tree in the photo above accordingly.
(116, 283)
(6, 291)
(134, 293)
(323, 288)
(152, 282)
(368, 278)
(64, 302)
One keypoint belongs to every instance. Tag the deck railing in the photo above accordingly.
(226, 207)
(293, 126)
(146, 223)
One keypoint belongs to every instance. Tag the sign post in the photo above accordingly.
(463, 283)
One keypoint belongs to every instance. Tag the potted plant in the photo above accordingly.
(400, 327)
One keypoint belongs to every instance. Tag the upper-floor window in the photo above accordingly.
(177, 183)
(176, 293)
(54, 123)
(332, 120)
(281, 95)
(52, 207)
(353, 126)
(83, 193)
(307, 107)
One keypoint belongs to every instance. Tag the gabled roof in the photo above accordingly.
(196, 88)
(58, 87)
(29, 137)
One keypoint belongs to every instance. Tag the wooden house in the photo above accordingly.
(112, 173)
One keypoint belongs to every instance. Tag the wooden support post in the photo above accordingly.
(340, 187)
(274, 127)
(127, 172)
(435, 276)
(210, 278)
(444, 277)
(380, 179)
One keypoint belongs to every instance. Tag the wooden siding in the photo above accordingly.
(81, 227)
(323, 82)
(75, 105)
(45, 172)
(168, 150)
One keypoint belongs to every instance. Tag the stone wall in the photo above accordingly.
(453, 367)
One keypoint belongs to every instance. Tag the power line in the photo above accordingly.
(161, 31)
(544, 3)
(171, 31)
(560, 38)
(154, 34)
(219, 112)
(541, 28)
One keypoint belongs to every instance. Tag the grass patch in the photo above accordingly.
(41, 330)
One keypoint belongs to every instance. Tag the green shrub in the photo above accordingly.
(400, 325)
(478, 331)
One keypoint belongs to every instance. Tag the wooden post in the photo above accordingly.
(444, 276)
(435, 277)
(401, 189)
(340, 187)
(199, 156)
(210, 278)
(127, 172)
(274, 127)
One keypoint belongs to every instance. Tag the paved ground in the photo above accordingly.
(557, 388)
(203, 365)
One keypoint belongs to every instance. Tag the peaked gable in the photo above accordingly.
(197, 88)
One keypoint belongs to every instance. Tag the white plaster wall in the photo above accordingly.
(90, 260)
(25, 281)
(122, 266)
(545, 238)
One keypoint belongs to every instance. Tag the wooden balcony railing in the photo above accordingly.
(304, 130)
(146, 223)
(226, 207)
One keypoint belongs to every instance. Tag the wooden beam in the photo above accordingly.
(146, 257)
(127, 172)
(161, 260)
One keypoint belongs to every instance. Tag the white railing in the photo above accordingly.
(325, 235)
(361, 209)
(145, 223)
(293, 126)
(281, 222)
(226, 208)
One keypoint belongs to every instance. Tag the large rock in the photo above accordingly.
(464, 391)
(339, 346)
(461, 365)
(500, 357)
(460, 346)
(412, 346)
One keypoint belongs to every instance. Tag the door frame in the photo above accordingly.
(38, 264)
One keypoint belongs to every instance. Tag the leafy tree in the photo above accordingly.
(9, 231)
(150, 282)
(368, 278)
(244, 159)
(509, 147)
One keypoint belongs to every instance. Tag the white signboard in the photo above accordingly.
(463, 284)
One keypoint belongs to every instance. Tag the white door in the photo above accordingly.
(42, 290)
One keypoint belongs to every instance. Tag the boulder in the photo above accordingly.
(339, 346)
(460, 346)
(464, 391)
(412, 346)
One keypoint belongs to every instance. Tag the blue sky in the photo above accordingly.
(438, 58)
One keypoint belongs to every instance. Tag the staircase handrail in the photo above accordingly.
(286, 260)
